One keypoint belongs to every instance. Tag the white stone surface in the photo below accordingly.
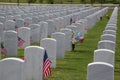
(60, 38)
(109, 32)
(43, 29)
(106, 44)
(11, 69)
(108, 37)
(35, 33)
(24, 33)
(11, 41)
(19, 23)
(34, 63)
(104, 55)
(68, 37)
(100, 71)
(51, 26)
(9, 25)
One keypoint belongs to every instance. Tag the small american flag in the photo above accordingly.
(3, 50)
(46, 66)
(20, 42)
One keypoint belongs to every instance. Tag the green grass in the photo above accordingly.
(117, 52)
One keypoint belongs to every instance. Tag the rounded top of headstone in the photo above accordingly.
(52, 39)
(106, 41)
(100, 63)
(38, 47)
(111, 24)
(104, 50)
(10, 21)
(14, 59)
(108, 35)
(50, 20)
(24, 28)
(71, 26)
(9, 31)
(109, 30)
(42, 22)
(65, 29)
(59, 33)
(77, 23)
(34, 26)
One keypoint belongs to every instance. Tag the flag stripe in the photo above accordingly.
(20, 42)
(46, 66)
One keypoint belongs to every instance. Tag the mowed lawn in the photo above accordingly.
(74, 65)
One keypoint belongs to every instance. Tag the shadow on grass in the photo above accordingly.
(71, 58)
(82, 51)
(65, 68)
(117, 71)
(117, 60)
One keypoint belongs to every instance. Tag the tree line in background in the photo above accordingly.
(64, 1)
(80, 1)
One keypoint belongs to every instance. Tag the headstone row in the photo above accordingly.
(93, 18)
(103, 66)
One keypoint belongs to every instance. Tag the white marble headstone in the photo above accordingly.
(111, 28)
(9, 17)
(104, 55)
(17, 17)
(51, 27)
(100, 71)
(35, 20)
(24, 33)
(106, 44)
(28, 21)
(109, 32)
(56, 22)
(41, 18)
(9, 25)
(60, 38)
(50, 46)
(68, 37)
(2, 19)
(11, 41)
(35, 33)
(34, 63)
(19, 23)
(108, 37)
(11, 69)
(72, 27)
(43, 29)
